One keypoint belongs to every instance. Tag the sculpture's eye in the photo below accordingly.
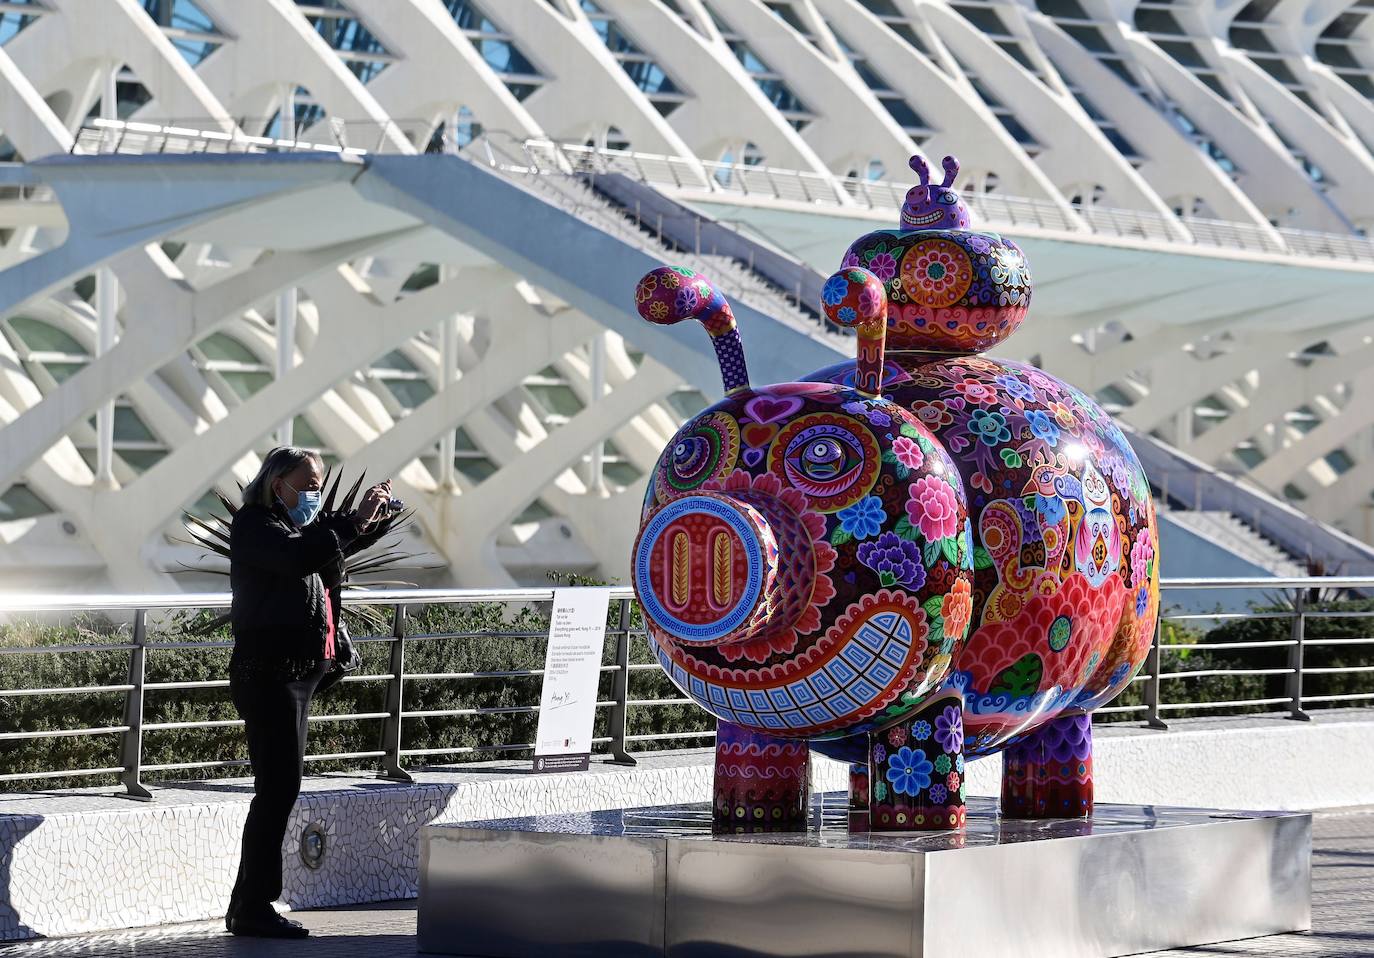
(832, 459)
(690, 457)
(826, 460)
(947, 198)
(705, 449)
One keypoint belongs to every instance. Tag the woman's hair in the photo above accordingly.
(278, 462)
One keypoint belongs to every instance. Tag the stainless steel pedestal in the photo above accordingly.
(656, 882)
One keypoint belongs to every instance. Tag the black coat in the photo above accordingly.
(279, 573)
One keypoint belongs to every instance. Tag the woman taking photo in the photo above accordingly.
(286, 570)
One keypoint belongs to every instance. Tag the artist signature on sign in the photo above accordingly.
(560, 700)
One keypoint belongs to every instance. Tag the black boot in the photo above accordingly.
(264, 924)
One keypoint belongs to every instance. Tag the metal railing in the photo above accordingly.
(996, 210)
(1165, 666)
(358, 138)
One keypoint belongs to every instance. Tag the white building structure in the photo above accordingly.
(1192, 182)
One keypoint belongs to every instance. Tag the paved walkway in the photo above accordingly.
(1342, 920)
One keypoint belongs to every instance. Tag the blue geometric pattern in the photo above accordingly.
(867, 663)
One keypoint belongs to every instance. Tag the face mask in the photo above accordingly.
(307, 506)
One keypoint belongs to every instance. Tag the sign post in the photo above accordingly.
(572, 668)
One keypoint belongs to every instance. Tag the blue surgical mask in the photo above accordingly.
(306, 508)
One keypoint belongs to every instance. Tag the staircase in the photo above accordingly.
(1236, 537)
(777, 285)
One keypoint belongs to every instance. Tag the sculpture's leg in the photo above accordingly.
(917, 782)
(760, 783)
(1049, 774)
(858, 797)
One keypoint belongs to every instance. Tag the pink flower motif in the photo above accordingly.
(952, 781)
(1141, 554)
(869, 304)
(933, 508)
(976, 392)
(883, 266)
(897, 736)
(908, 453)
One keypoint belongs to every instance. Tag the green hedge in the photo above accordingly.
(475, 638)
(1270, 622)
(490, 638)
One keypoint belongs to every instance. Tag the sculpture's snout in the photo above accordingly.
(715, 569)
(703, 566)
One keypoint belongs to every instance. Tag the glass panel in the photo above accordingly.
(1063, 8)
(621, 473)
(222, 347)
(20, 502)
(41, 337)
(503, 57)
(130, 427)
(1184, 52)
(475, 469)
(1157, 21)
(245, 384)
(983, 18)
(409, 392)
(559, 400)
(141, 460)
(536, 511)
(1090, 37)
(61, 372)
(395, 360)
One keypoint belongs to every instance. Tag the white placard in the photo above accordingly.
(572, 668)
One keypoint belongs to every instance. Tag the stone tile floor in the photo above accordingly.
(1342, 920)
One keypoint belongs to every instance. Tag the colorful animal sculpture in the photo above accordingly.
(907, 562)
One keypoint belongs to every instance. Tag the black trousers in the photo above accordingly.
(274, 710)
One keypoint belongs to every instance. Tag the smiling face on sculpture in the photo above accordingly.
(805, 560)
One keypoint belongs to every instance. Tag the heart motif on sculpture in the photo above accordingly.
(757, 434)
(752, 457)
(763, 409)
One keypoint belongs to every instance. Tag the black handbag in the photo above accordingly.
(346, 659)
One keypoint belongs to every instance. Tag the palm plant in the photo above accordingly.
(359, 558)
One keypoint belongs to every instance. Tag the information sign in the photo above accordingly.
(572, 668)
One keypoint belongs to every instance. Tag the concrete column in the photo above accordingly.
(106, 306)
(286, 299)
(448, 373)
(1183, 426)
(596, 482)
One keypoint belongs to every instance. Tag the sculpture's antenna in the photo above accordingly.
(951, 165)
(855, 298)
(670, 294)
(918, 164)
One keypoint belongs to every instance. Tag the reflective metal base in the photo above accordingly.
(654, 881)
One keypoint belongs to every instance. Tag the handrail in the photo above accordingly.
(809, 187)
(392, 752)
(992, 209)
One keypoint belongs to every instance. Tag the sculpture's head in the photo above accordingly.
(934, 207)
(950, 290)
(804, 559)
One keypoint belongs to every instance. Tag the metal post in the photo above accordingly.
(621, 693)
(391, 725)
(131, 740)
(1154, 662)
(1295, 659)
